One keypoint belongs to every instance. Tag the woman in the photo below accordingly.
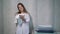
(23, 27)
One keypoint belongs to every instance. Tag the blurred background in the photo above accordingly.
(43, 12)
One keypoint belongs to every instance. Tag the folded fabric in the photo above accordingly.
(44, 29)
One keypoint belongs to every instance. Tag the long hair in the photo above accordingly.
(24, 9)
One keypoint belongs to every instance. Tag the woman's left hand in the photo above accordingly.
(22, 17)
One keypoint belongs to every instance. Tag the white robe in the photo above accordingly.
(24, 29)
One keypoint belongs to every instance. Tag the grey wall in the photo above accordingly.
(57, 16)
(1, 18)
(9, 9)
(44, 12)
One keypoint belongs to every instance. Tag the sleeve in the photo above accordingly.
(15, 19)
(27, 18)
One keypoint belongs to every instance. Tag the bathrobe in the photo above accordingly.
(23, 27)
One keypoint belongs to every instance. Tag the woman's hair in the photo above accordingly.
(24, 9)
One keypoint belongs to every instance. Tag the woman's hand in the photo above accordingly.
(22, 17)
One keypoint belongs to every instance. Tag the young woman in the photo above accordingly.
(23, 27)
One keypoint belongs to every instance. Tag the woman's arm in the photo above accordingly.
(16, 17)
(15, 21)
(22, 17)
(27, 18)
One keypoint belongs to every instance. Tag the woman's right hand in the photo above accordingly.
(21, 16)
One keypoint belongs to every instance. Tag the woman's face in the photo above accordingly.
(20, 8)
